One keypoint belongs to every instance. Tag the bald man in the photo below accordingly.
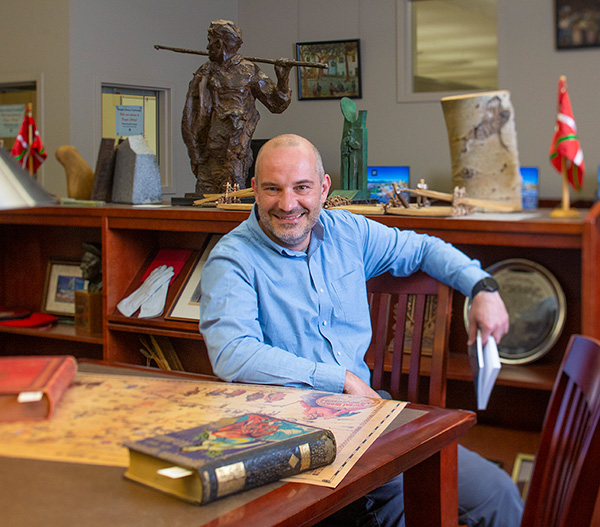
(284, 302)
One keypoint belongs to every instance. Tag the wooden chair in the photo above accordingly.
(566, 475)
(399, 371)
(397, 368)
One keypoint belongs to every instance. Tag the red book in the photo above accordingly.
(30, 387)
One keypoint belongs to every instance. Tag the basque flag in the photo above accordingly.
(21, 150)
(565, 145)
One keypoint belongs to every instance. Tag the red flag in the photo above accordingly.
(21, 150)
(565, 144)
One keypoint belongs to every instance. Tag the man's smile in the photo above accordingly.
(288, 218)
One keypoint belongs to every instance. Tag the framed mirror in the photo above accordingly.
(536, 306)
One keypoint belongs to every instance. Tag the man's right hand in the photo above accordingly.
(282, 71)
(354, 385)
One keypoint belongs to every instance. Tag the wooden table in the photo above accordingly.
(424, 449)
(421, 443)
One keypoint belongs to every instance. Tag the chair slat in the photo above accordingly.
(566, 479)
(398, 370)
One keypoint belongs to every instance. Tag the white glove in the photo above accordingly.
(155, 305)
(128, 306)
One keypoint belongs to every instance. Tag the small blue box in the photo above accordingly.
(529, 187)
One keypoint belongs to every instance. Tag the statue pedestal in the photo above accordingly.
(88, 312)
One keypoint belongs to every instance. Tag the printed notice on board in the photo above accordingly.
(11, 117)
(129, 120)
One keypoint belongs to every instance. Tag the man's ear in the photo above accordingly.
(325, 188)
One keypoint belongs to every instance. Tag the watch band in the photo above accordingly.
(485, 284)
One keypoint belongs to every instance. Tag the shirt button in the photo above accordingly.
(339, 353)
(322, 290)
(324, 322)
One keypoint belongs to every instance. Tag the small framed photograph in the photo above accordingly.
(63, 278)
(340, 79)
(187, 303)
(522, 471)
(577, 24)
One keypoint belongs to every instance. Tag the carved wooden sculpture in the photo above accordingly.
(220, 115)
(80, 176)
(483, 146)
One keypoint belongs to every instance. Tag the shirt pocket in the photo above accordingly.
(350, 297)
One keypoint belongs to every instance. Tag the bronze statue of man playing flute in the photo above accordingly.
(220, 115)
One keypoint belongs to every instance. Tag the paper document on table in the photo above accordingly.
(100, 412)
(485, 365)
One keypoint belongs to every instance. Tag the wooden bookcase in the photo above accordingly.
(131, 236)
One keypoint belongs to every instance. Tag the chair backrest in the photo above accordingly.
(402, 354)
(566, 475)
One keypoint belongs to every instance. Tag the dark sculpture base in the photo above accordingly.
(185, 201)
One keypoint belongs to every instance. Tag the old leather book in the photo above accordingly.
(207, 462)
(31, 387)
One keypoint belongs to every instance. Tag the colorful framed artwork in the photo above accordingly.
(342, 77)
(381, 179)
(577, 24)
(529, 187)
(63, 278)
(187, 303)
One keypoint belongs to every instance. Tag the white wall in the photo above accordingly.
(112, 41)
(71, 46)
(414, 133)
(34, 40)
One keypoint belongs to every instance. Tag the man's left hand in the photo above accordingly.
(488, 313)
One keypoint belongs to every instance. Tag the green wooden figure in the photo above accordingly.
(354, 150)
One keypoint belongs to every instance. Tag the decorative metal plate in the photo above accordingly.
(536, 306)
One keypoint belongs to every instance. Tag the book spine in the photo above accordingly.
(60, 381)
(281, 460)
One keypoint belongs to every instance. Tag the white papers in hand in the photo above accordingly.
(485, 364)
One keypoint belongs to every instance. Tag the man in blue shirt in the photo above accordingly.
(284, 302)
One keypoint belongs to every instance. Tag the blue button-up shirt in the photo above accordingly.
(271, 315)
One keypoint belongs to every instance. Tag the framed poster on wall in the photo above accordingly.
(340, 79)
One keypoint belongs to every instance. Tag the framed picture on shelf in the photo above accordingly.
(340, 79)
(577, 24)
(187, 303)
(522, 471)
(63, 278)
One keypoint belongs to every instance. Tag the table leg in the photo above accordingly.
(431, 490)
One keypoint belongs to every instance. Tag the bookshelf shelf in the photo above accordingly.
(132, 236)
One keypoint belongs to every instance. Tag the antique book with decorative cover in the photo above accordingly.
(207, 462)
(30, 387)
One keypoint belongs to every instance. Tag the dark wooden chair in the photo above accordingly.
(400, 369)
(566, 475)
(403, 356)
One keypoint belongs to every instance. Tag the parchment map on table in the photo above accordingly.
(101, 411)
